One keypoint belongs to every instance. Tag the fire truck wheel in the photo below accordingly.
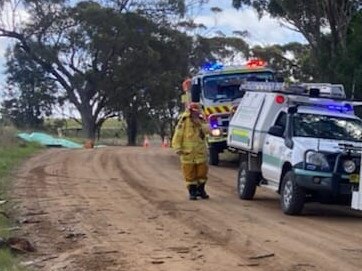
(246, 182)
(213, 156)
(292, 196)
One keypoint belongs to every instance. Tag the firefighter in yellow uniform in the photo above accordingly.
(189, 142)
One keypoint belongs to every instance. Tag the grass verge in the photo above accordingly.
(11, 155)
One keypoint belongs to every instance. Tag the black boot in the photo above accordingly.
(193, 192)
(201, 191)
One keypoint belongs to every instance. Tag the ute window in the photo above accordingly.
(226, 86)
(281, 120)
(328, 127)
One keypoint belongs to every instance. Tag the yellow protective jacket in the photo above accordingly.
(190, 140)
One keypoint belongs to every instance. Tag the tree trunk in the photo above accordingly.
(88, 123)
(132, 129)
(163, 131)
(89, 127)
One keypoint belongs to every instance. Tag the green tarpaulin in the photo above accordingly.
(48, 140)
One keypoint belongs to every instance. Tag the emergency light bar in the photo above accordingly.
(322, 90)
(262, 86)
(326, 89)
(208, 67)
(255, 63)
(332, 105)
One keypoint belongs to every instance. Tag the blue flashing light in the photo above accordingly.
(340, 108)
(213, 123)
(212, 67)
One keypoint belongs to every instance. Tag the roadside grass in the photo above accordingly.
(12, 153)
(8, 263)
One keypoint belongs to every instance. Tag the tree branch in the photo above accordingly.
(46, 66)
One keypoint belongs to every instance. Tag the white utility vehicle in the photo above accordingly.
(303, 141)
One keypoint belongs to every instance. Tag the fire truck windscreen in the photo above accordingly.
(226, 86)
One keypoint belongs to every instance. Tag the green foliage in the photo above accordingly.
(309, 18)
(7, 261)
(12, 152)
(96, 53)
(216, 48)
(11, 155)
(110, 58)
(349, 66)
(291, 60)
(30, 94)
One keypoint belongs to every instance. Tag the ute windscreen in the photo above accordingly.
(327, 127)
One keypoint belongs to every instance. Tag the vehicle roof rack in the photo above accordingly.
(314, 90)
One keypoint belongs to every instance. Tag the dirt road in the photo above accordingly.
(126, 209)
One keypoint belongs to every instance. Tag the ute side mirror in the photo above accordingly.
(196, 91)
(276, 130)
(292, 110)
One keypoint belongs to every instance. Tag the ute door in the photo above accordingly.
(274, 149)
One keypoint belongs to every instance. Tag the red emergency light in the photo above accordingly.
(279, 99)
(255, 63)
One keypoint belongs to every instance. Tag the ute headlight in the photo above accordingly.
(216, 132)
(318, 159)
(349, 166)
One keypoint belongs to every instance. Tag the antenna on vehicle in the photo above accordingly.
(319, 142)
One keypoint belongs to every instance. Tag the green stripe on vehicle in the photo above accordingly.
(240, 135)
(312, 173)
(246, 128)
(271, 160)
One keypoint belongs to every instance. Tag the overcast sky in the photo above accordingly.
(265, 31)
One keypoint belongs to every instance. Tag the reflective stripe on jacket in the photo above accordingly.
(190, 139)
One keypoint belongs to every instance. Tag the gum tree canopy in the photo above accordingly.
(81, 46)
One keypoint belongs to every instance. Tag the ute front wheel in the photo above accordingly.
(292, 196)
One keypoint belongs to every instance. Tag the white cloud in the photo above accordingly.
(265, 31)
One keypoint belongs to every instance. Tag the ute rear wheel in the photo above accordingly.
(292, 196)
(246, 182)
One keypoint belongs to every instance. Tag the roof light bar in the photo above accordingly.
(340, 108)
(255, 63)
(313, 90)
(262, 86)
(321, 103)
(212, 66)
(326, 89)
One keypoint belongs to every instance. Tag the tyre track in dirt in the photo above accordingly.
(126, 209)
(294, 234)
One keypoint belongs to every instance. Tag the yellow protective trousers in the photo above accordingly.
(194, 174)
